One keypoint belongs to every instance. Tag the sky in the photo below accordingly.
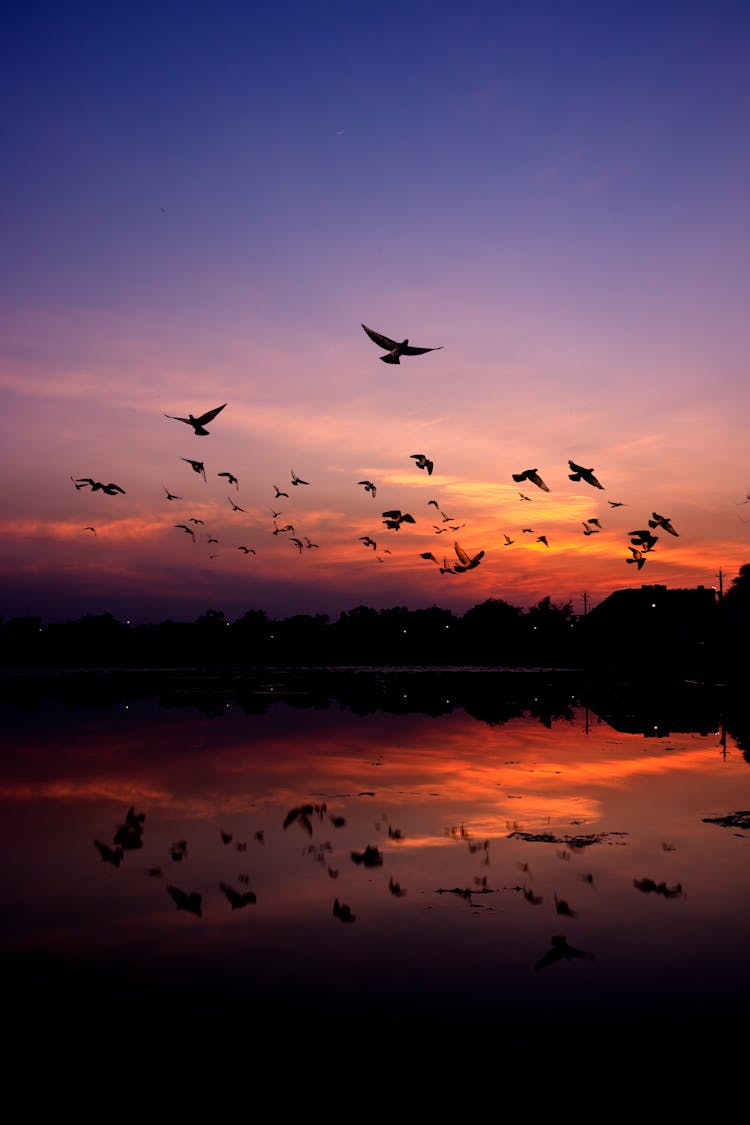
(202, 203)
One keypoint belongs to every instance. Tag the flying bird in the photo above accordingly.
(466, 562)
(393, 519)
(369, 487)
(170, 495)
(662, 521)
(508, 540)
(532, 476)
(247, 550)
(296, 480)
(423, 462)
(579, 473)
(189, 530)
(368, 542)
(542, 539)
(394, 348)
(235, 507)
(89, 529)
(280, 493)
(97, 486)
(237, 899)
(197, 467)
(643, 539)
(523, 497)
(231, 479)
(198, 423)
(190, 901)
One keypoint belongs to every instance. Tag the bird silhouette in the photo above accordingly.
(238, 899)
(190, 901)
(109, 855)
(532, 476)
(89, 529)
(393, 518)
(341, 910)
(297, 480)
(560, 951)
(235, 507)
(97, 486)
(231, 479)
(394, 348)
(465, 561)
(198, 423)
(579, 473)
(423, 462)
(508, 541)
(662, 521)
(170, 495)
(189, 530)
(369, 487)
(197, 467)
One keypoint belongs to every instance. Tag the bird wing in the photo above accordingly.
(381, 341)
(208, 416)
(176, 418)
(462, 556)
(420, 351)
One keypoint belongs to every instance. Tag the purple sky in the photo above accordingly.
(201, 204)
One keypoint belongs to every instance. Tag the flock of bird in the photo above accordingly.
(641, 541)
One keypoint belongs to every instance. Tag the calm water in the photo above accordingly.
(473, 925)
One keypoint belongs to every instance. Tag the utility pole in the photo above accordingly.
(585, 604)
(720, 576)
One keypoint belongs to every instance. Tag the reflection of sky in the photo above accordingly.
(206, 217)
(69, 778)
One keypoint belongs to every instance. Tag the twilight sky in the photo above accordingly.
(202, 202)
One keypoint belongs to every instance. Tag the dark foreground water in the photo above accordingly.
(546, 879)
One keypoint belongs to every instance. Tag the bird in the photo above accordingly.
(297, 480)
(238, 899)
(532, 476)
(444, 569)
(231, 479)
(662, 521)
(542, 539)
(560, 951)
(198, 424)
(343, 912)
(369, 487)
(595, 522)
(89, 529)
(189, 530)
(527, 530)
(194, 520)
(235, 507)
(247, 550)
(579, 473)
(368, 542)
(309, 545)
(109, 855)
(423, 462)
(97, 486)
(590, 530)
(393, 519)
(197, 467)
(466, 562)
(395, 350)
(617, 504)
(523, 497)
(190, 901)
(637, 558)
(508, 540)
(280, 493)
(170, 495)
(643, 539)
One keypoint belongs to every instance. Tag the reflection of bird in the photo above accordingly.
(369, 487)
(198, 423)
(190, 901)
(236, 898)
(560, 951)
(579, 473)
(197, 467)
(423, 462)
(395, 350)
(533, 477)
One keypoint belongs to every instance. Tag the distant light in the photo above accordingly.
(404, 630)
(653, 605)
